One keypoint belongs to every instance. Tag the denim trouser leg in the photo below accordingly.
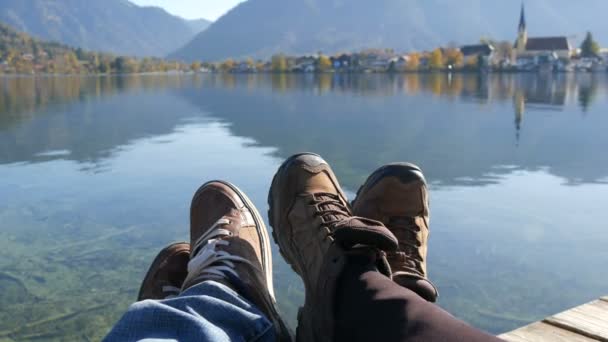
(207, 312)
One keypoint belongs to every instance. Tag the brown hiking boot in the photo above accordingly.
(230, 245)
(397, 196)
(316, 232)
(167, 273)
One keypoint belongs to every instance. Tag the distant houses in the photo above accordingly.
(480, 55)
(526, 54)
(342, 62)
(305, 64)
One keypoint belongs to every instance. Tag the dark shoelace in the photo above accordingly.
(406, 230)
(331, 208)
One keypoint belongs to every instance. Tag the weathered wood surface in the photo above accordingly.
(586, 323)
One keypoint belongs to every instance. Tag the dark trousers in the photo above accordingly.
(371, 307)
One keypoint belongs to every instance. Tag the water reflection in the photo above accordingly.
(383, 117)
(87, 119)
(459, 134)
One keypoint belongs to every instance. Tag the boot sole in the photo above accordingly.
(262, 234)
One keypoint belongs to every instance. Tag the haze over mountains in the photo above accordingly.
(116, 26)
(259, 28)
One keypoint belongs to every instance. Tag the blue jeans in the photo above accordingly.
(209, 311)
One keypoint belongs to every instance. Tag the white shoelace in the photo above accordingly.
(209, 263)
(171, 291)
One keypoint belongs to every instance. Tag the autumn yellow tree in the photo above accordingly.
(227, 65)
(324, 63)
(436, 61)
(279, 63)
(454, 57)
(195, 66)
(472, 62)
(413, 62)
(72, 62)
(11, 56)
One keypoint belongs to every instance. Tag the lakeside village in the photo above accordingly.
(527, 54)
(20, 54)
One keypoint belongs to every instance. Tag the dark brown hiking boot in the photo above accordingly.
(230, 245)
(167, 273)
(316, 232)
(397, 196)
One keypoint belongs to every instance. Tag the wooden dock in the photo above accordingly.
(586, 323)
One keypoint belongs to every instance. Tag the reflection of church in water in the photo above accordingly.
(552, 93)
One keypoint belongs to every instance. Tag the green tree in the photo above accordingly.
(80, 54)
(589, 47)
(436, 61)
(105, 66)
(392, 67)
(125, 65)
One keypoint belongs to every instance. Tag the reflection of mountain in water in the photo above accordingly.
(458, 127)
(84, 119)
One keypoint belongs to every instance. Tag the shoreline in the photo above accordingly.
(407, 72)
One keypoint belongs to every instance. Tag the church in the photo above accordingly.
(526, 48)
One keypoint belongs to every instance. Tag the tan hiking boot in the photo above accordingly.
(167, 273)
(230, 245)
(397, 196)
(316, 232)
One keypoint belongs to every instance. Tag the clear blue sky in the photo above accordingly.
(193, 9)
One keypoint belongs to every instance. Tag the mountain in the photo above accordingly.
(22, 54)
(199, 25)
(116, 26)
(14, 45)
(259, 28)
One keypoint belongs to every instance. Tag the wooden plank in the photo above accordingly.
(544, 332)
(590, 320)
(605, 299)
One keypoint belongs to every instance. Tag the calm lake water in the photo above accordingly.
(96, 176)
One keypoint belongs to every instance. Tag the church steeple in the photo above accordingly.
(522, 33)
(522, 19)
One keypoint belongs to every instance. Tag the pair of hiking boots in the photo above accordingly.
(317, 232)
